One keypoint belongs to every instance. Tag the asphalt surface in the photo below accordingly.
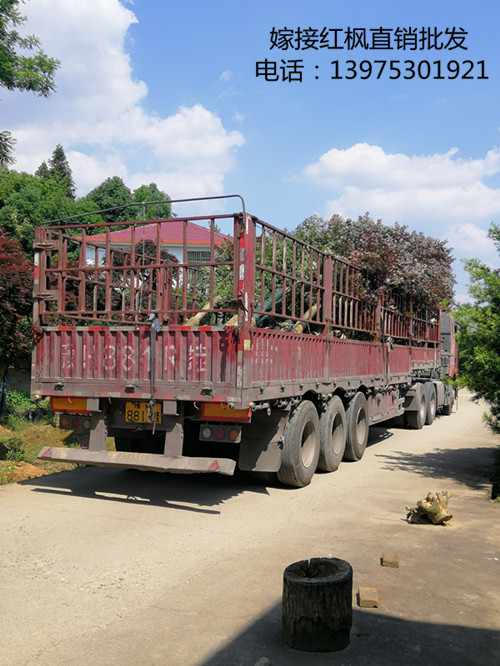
(117, 567)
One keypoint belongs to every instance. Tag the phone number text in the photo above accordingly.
(293, 71)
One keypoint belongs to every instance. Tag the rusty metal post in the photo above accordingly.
(246, 288)
(327, 294)
(379, 317)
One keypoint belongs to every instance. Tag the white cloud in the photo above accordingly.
(226, 75)
(370, 167)
(239, 117)
(409, 188)
(469, 240)
(443, 193)
(98, 111)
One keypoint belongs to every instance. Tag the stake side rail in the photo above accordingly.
(247, 314)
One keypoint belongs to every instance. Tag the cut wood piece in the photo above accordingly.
(317, 604)
(196, 319)
(433, 508)
(367, 597)
(234, 321)
(390, 560)
(309, 314)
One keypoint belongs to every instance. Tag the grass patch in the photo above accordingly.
(19, 449)
(7, 470)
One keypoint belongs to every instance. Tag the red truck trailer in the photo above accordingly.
(260, 352)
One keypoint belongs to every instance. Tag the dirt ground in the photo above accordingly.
(114, 567)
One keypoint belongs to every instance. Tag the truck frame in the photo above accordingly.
(264, 353)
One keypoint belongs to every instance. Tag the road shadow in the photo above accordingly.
(188, 492)
(379, 433)
(471, 466)
(376, 640)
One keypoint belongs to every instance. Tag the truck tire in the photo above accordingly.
(431, 403)
(300, 454)
(416, 418)
(448, 408)
(357, 428)
(332, 435)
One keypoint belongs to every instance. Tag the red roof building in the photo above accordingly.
(171, 238)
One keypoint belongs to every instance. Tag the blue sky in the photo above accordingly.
(167, 92)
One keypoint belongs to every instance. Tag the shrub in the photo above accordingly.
(15, 423)
(19, 403)
(20, 406)
(12, 449)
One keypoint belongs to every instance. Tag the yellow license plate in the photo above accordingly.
(140, 412)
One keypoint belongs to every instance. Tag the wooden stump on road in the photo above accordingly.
(317, 604)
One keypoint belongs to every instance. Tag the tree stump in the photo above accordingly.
(317, 604)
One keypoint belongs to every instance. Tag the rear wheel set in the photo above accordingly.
(311, 442)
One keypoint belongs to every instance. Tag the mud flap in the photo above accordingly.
(262, 441)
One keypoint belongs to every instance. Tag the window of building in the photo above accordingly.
(198, 255)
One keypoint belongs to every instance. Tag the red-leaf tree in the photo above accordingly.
(405, 261)
(16, 285)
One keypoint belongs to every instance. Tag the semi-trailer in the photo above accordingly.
(259, 351)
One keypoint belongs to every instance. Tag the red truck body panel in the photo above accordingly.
(101, 361)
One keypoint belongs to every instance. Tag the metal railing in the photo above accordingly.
(127, 271)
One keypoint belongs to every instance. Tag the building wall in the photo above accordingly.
(174, 250)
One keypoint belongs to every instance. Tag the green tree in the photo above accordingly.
(479, 335)
(43, 170)
(28, 201)
(151, 192)
(23, 65)
(112, 194)
(60, 169)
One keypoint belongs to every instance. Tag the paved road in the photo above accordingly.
(112, 567)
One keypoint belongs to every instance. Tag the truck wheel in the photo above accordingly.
(431, 400)
(357, 428)
(448, 408)
(332, 435)
(300, 454)
(416, 419)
